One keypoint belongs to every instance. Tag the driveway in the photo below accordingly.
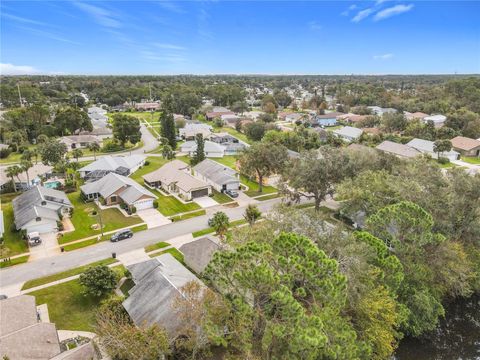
(153, 218)
(47, 248)
(205, 202)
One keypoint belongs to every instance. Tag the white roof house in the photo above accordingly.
(124, 165)
(397, 149)
(427, 147)
(191, 130)
(438, 120)
(221, 177)
(211, 148)
(348, 133)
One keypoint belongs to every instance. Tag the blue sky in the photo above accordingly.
(240, 37)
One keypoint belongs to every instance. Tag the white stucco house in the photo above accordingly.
(219, 176)
(348, 133)
(427, 147)
(211, 149)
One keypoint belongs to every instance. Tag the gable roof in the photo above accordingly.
(216, 172)
(113, 182)
(209, 146)
(194, 129)
(28, 206)
(348, 131)
(112, 163)
(158, 282)
(80, 139)
(35, 171)
(465, 143)
(198, 253)
(398, 149)
(332, 115)
(426, 146)
(174, 172)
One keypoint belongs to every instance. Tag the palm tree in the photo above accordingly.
(76, 153)
(94, 147)
(24, 166)
(11, 172)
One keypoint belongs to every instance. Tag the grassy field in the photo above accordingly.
(221, 198)
(189, 215)
(16, 261)
(68, 308)
(65, 274)
(13, 240)
(82, 221)
(471, 160)
(253, 187)
(159, 245)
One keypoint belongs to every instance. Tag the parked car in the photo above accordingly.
(232, 193)
(33, 239)
(121, 235)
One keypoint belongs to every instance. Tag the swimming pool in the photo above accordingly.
(52, 184)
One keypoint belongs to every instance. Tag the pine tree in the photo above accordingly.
(199, 155)
(168, 128)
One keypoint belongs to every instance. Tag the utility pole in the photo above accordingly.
(100, 218)
(19, 95)
(150, 87)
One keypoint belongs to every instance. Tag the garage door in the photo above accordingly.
(144, 204)
(199, 193)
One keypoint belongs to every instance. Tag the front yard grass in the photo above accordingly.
(153, 247)
(68, 308)
(188, 215)
(112, 219)
(12, 238)
(268, 197)
(65, 274)
(210, 230)
(471, 160)
(174, 252)
(221, 198)
(16, 261)
(170, 205)
(154, 162)
(228, 160)
(253, 187)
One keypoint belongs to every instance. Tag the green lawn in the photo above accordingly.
(155, 162)
(268, 197)
(153, 247)
(13, 239)
(65, 274)
(189, 215)
(253, 187)
(471, 160)
(16, 157)
(174, 252)
(68, 308)
(235, 133)
(228, 160)
(82, 221)
(16, 261)
(221, 198)
(169, 205)
(210, 230)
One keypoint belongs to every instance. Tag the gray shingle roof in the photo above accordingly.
(398, 149)
(28, 205)
(216, 172)
(158, 282)
(349, 132)
(112, 163)
(174, 172)
(198, 253)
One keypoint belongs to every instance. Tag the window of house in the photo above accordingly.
(113, 198)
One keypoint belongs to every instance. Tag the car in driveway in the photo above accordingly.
(121, 235)
(232, 193)
(34, 239)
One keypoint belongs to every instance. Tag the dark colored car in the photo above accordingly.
(232, 193)
(124, 234)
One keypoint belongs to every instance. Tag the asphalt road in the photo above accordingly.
(61, 262)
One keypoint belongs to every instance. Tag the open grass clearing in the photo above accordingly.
(65, 274)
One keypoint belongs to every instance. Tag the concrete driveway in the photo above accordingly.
(205, 202)
(47, 248)
(153, 218)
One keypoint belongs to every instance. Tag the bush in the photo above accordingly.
(5, 152)
(60, 226)
(147, 163)
(155, 204)
(98, 281)
(133, 210)
(443, 160)
(102, 201)
(112, 147)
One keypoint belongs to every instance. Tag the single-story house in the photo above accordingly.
(116, 189)
(397, 149)
(254, 115)
(230, 119)
(198, 253)
(416, 115)
(174, 177)
(102, 132)
(218, 112)
(294, 117)
(35, 175)
(427, 147)
(232, 145)
(438, 120)
(219, 176)
(158, 284)
(466, 146)
(329, 119)
(191, 130)
(211, 149)
(123, 165)
(352, 118)
(80, 141)
(348, 133)
(39, 209)
(377, 110)
(147, 106)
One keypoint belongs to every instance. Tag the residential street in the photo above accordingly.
(18, 274)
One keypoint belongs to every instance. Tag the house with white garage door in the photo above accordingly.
(39, 209)
(116, 189)
(221, 177)
(428, 147)
(174, 177)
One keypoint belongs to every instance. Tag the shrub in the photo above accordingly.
(98, 281)
(111, 147)
(443, 160)
(5, 152)
(155, 204)
(147, 163)
(133, 209)
(60, 226)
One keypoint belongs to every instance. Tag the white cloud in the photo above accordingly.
(383, 56)
(47, 35)
(23, 20)
(169, 46)
(350, 8)
(10, 69)
(362, 15)
(392, 11)
(170, 6)
(102, 16)
(379, 2)
(313, 25)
